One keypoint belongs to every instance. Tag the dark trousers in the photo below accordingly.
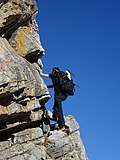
(57, 109)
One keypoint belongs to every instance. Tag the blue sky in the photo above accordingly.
(84, 36)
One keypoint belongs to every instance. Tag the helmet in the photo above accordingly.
(56, 69)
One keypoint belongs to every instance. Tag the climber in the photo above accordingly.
(58, 98)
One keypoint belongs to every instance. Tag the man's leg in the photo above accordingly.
(57, 111)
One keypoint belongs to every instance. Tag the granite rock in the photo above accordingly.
(15, 13)
(25, 129)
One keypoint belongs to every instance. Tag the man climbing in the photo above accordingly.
(58, 98)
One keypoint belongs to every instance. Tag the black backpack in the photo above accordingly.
(66, 84)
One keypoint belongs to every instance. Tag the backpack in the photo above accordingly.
(66, 84)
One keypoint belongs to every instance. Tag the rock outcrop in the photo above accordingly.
(25, 132)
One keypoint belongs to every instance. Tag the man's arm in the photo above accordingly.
(48, 76)
(44, 75)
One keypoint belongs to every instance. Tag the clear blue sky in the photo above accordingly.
(84, 36)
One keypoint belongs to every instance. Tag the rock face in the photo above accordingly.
(25, 130)
(33, 144)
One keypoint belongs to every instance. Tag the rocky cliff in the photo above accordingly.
(25, 133)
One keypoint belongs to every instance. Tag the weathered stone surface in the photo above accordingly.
(3, 2)
(32, 150)
(34, 116)
(31, 143)
(25, 130)
(22, 90)
(71, 121)
(27, 135)
(18, 75)
(15, 13)
(26, 41)
(61, 146)
(17, 108)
